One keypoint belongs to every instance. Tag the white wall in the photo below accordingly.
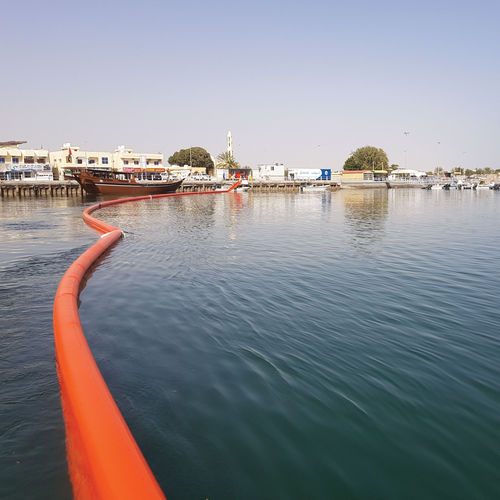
(269, 172)
(304, 174)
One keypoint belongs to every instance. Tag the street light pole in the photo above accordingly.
(406, 134)
(437, 158)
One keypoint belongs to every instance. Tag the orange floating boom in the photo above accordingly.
(104, 460)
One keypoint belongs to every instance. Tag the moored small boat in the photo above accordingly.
(244, 186)
(313, 189)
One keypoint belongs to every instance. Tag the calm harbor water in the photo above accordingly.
(271, 346)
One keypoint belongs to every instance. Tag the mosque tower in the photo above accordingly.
(230, 144)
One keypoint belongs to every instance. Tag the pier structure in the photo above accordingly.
(288, 186)
(257, 186)
(25, 189)
(33, 189)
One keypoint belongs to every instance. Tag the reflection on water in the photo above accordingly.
(365, 212)
(268, 345)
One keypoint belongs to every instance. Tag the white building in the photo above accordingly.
(269, 172)
(122, 159)
(126, 159)
(405, 173)
(21, 164)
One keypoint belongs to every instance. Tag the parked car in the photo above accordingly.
(201, 177)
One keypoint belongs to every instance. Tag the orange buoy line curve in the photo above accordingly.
(104, 461)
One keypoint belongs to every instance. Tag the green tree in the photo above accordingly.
(352, 164)
(367, 158)
(469, 172)
(227, 160)
(197, 157)
(391, 167)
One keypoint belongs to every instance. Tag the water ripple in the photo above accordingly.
(286, 346)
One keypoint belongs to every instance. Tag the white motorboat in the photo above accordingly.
(244, 186)
(436, 187)
(313, 189)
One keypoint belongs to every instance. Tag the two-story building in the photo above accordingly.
(123, 159)
(127, 160)
(21, 164)
(72, 156)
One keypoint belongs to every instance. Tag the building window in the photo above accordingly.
(79, 161)
(147, 163)
(91, 161)
(2, 160)
(272, 169)
(15, 160)
(104, 160)
(136, 162)
(157, 162)
(126, 162)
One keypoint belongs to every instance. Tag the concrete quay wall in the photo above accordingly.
(32, 189)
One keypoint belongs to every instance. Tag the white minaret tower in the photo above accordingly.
(229, 144)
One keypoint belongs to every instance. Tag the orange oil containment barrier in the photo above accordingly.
(104, 460)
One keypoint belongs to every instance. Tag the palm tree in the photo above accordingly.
(226, 160)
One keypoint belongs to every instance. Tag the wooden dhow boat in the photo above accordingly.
(100, 181)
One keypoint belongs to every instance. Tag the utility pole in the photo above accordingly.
(437, 166)
(406, 134)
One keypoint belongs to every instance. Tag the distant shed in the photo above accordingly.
(357, 175)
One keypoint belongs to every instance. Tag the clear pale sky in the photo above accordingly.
(303, 83)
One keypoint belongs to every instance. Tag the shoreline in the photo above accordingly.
(69, 188)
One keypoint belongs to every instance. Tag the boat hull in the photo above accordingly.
(132, 189)
(119, 183)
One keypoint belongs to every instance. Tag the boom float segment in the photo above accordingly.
(104, 460)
